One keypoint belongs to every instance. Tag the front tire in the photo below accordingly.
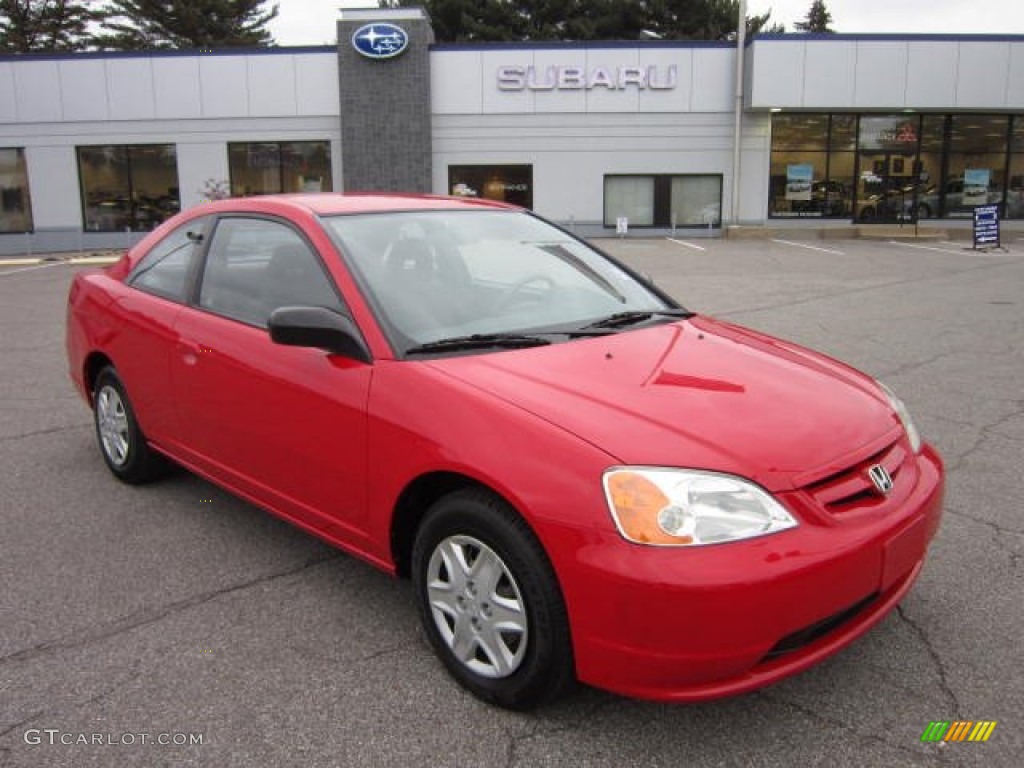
(122, 444)
(489, 601)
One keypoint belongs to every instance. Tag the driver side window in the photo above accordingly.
(256, 266)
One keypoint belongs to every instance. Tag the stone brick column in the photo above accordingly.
(385, 106)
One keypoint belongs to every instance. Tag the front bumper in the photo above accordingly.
(695, 624)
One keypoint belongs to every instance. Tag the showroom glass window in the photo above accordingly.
(273, 167)
(505, 183)
(976, 172)
(889, 167)
(15, 203)
(812, 166)
(1015, 184)
(129, 188)
(663, 200)
(932, 153)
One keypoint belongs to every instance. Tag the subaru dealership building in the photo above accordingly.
(98, 148)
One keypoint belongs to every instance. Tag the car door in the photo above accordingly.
(285, 426)
(145, 315)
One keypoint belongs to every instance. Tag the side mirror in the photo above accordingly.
(318, 328)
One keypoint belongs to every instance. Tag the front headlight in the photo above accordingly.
(687, 507)
(904, 416)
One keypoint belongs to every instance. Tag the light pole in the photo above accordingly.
(741, 39)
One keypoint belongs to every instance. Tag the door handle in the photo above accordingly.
(191, 351)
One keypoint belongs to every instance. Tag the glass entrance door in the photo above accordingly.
(886, 187)
(888, 168)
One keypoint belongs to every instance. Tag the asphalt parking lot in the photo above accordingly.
(177, 611)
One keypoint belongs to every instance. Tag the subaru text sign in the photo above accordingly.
(380, 40)
(578, 78)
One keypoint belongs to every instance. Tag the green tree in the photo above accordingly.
(142, 24)
(817, 20)
(703, 20)
(46, 25)
(469, 20)
(519, 20)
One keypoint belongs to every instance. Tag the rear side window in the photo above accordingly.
(165, 269)
(255, 266)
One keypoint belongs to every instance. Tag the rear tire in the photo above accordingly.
(122, 444)
(490, 603)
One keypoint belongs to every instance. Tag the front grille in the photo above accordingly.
(852, 488)
(800, 638)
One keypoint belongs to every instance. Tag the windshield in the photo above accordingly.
(444, 276)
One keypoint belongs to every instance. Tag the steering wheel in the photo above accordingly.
(516, 291)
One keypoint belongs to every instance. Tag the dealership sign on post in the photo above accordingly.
(986, 226)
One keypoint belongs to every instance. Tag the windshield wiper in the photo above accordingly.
(479, 341)
(632, 317)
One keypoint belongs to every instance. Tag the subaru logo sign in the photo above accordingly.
(380, 40)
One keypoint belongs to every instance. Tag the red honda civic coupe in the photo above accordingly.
(583, 480)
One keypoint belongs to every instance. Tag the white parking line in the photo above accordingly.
(28, 265)
(959, 252)
(46, 265)
(94, 260)
(688, 245)
(809, 247)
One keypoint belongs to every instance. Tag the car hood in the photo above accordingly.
(697, 393)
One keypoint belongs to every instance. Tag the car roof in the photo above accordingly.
(328, 203)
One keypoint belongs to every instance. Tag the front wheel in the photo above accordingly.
(489, 601)
(124, 447)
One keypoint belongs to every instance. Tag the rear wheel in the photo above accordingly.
(124, 447)
(489, 601)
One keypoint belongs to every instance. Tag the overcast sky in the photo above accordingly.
(912, 16)
(312, 22)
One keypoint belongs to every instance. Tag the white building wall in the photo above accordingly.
(465, 80)
(198, 103)
(169, 87)
(880, 73)
(755, 167)
(571, 154)
(574, 137)
(54, 189)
